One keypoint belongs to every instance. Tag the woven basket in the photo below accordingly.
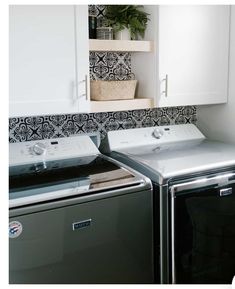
(113, 90)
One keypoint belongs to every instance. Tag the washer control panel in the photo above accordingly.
(125, 139)
(51, 149)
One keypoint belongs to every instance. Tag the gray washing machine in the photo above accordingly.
(76, 216)
(194, 199)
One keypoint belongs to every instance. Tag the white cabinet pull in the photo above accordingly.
(76, 86)
(86, 87)
(166, 85)
(85, 82)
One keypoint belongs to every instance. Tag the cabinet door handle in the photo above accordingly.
(86, 86)
(85, 82)
(166, 85)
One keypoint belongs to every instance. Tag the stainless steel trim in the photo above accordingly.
(161, 239)
(145, 180)
(164, 235)
(76, 199)
(218, 180)
(73, 192)
(44, 197)
(173, 239)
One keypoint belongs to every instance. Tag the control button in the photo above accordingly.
(158, 133)
(39, 149)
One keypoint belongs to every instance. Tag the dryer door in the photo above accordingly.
(203, 233)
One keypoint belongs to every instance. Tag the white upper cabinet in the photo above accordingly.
(49, 59)
(193, 49)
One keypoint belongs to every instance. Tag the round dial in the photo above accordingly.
(158, 133)
(39, 149)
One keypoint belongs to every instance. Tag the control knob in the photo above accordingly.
(158, 133)
(39, 149)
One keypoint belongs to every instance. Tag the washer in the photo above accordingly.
(76, 216)
(194, 199)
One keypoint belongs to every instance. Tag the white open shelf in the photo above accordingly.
(116, 105)
(120, 45)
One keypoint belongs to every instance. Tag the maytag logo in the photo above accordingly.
(81, 224)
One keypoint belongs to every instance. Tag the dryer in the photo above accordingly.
(194, 199)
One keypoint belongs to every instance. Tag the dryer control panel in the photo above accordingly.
(124, 139)
(51, 149)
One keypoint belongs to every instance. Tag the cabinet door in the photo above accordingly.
(44, 76)
(82, 58)
(193, 54)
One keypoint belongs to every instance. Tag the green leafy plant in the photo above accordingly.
(127, 16)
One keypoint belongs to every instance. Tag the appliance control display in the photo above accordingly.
(125, 139)
(48, 149)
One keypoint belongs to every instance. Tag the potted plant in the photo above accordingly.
(127, 17)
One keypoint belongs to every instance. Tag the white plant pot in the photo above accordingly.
(123, 34)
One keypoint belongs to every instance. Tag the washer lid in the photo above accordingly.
(161, 162)
(65, 178)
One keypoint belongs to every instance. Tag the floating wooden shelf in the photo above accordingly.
(116, 105)
(120, 45)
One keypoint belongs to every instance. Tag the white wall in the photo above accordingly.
(218, 121)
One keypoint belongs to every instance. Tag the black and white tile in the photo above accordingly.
(54, 126)
(97, 10)
(110, 66)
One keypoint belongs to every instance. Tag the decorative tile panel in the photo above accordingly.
(54, 126)
(97, 10)
(110, 66)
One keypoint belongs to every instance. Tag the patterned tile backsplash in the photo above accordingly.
(54, 126)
